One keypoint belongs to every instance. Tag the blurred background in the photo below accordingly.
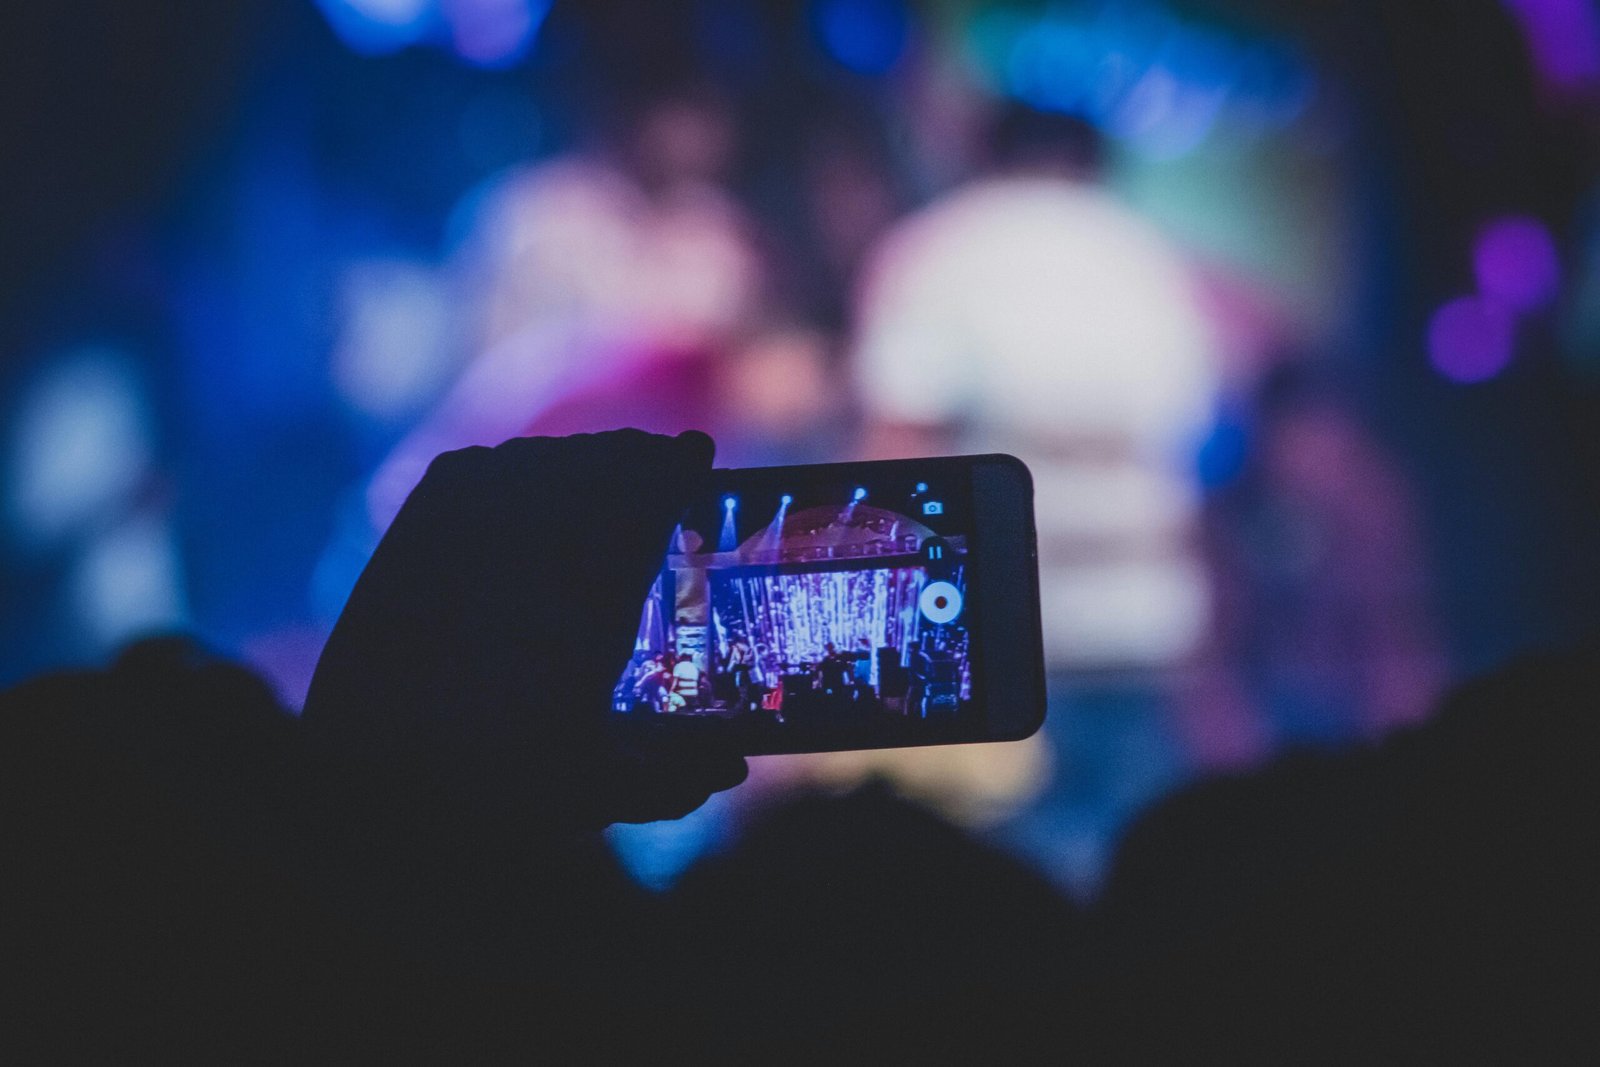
(1293, 308)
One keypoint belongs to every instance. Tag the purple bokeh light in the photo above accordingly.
(1470, 339)
(494, 33)
(1564, 39)
(1516, 263)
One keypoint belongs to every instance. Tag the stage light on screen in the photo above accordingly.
(922, 487)
(1516, 263)
(786, 500)
(1470, 339)
(728, 539)
(859, 495)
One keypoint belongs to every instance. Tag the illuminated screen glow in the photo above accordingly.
(813, 609)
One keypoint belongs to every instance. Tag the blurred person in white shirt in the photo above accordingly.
(1030, 312)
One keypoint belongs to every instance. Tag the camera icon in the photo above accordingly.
(932, 507)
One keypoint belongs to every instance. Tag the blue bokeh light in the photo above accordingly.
(1156, 82)
(377, 27)
(866, 36)
(495, 34)
(1222, 456)
(492, 34)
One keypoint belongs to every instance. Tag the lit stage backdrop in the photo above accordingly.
(791, 618)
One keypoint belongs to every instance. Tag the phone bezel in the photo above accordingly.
(1006, 548)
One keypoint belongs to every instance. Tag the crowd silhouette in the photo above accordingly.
(415, 862)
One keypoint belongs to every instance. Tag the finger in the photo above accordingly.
(657, 789)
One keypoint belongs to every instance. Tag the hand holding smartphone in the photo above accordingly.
(843, 606)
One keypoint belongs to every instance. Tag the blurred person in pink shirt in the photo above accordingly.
(589, 266)
(1030, 312)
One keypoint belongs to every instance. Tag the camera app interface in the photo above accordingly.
(812, 608)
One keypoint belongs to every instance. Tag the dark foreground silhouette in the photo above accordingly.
(414, 864)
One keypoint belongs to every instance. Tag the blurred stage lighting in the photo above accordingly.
(1471, 338)
(485, 33)
(1564, 39)
(392, 354)
(866, 36)
(377, 27)
(1516, 263)
(129, 584)
(494, 33)
(1154, 81)
(81, 444)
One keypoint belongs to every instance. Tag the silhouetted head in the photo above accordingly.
(1024, 139)
(867, 910)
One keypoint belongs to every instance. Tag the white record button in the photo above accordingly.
(940, 602)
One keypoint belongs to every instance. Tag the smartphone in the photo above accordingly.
(850, 605)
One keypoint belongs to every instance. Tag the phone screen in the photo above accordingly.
(819, 607)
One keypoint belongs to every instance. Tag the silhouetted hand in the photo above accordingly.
(476, 658)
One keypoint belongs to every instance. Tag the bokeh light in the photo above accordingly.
(1516, 263)
(1564, 39)
(485, 33)
(866, 36)
(1471, 338)
(80, 445)
(1155, 82)
(494, 33)
(374, 27)
(129, 584)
